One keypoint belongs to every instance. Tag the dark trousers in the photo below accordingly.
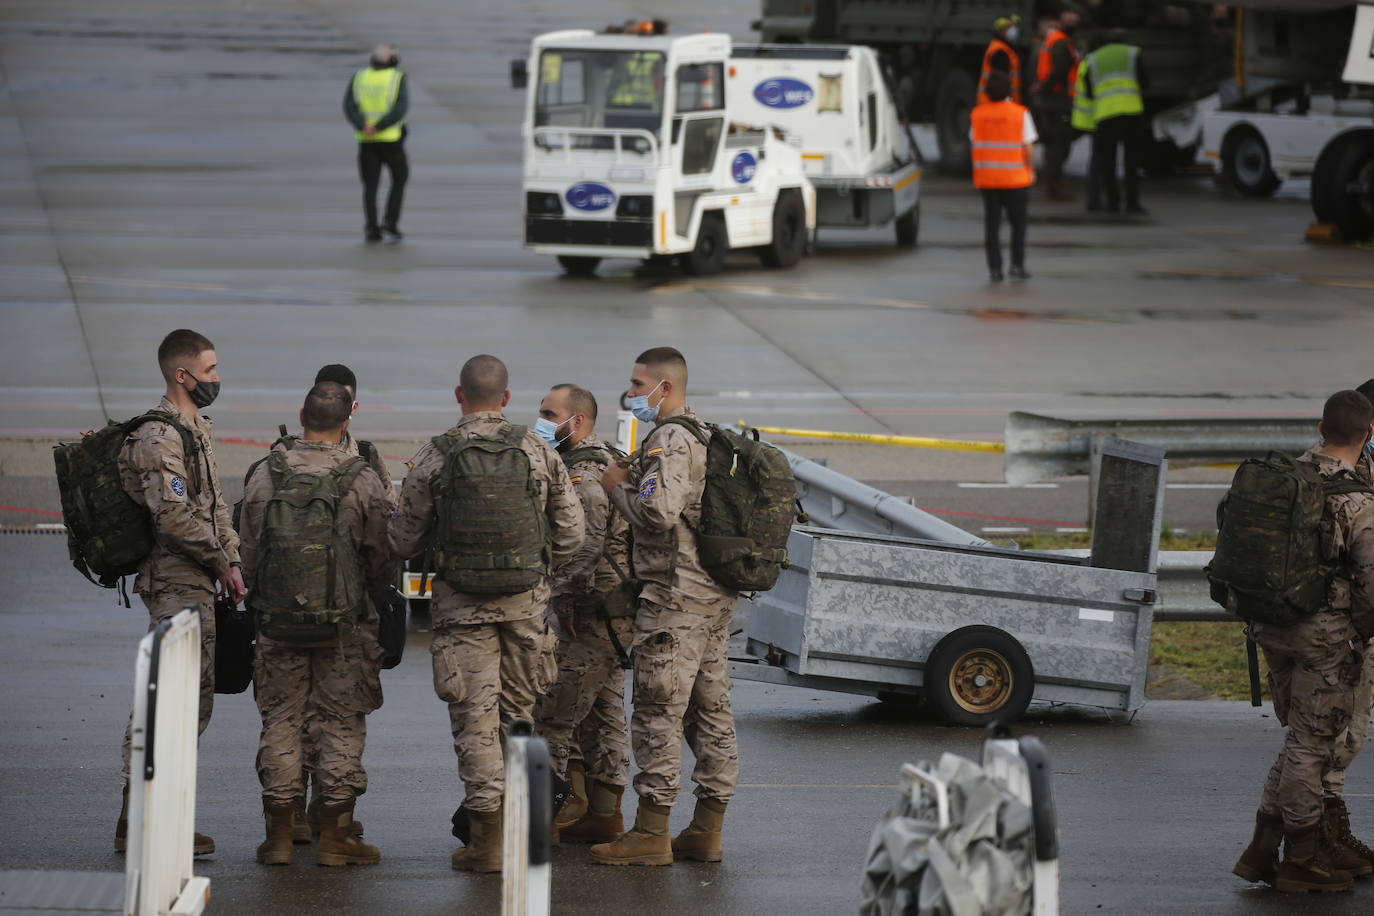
(1094, 181)
(1056, 135)
(1126, 131)
(371, 158)
(1013, 200)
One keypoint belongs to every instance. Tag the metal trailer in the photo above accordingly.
(979, 631)
(833, 103)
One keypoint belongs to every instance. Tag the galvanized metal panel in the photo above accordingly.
(59, 893)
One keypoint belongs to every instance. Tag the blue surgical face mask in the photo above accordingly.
(548, 431)
(1013, 33)
(639, 406)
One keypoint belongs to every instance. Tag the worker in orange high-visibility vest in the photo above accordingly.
(1001, 56)
(1056, 66)
(1003, 136)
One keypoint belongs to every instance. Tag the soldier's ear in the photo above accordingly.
(505, 398)
(301, 416)
(458, 393)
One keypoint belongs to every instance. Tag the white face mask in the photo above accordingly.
(1013, 33)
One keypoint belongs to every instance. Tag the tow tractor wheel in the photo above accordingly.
(708, 257)
(789, 232)
(978, 675)
(1246, 164)
(578, 266)
(909, 227)
(1343, 185)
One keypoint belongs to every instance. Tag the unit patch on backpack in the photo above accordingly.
(309, 584)
(1275, 557)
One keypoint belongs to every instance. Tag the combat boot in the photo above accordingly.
(576, 804)
(1348, 839)
(1304, 868)
(276, 849)
(338, 844)
(701, 840)
(646, 843)
(301, 831)
(485, 843)
(1337, 853)
(603, 822)
(201, 845)
(312, 817)
(1260, 860)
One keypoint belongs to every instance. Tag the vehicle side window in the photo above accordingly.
(700, 87)
(700, 140)
(872, 120)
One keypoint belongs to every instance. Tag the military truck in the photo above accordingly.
(934, 50)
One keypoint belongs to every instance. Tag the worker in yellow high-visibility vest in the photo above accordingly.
(1084, 121)
(375, 103)
(637, 81)
(1115, 80)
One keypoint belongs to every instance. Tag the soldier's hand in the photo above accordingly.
(231, 584)
(565, 620)
(614, 475)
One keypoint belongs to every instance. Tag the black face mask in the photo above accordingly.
(1068, 29)
(204, 394)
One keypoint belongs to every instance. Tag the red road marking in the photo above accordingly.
(30, 511)
(236, 441)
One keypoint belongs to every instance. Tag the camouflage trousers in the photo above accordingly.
(167, 604)
(331, 681)
(1349, 742)
(682, 690)
(583, 716)
(372, 697)
(489, 675)
(1312, 673)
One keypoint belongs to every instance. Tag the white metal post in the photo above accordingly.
(526, 869)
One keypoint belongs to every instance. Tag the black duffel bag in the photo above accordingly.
(235, 633)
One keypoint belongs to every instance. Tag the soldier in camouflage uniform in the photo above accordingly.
(488, 650)
(681, 686)
(306, 824)
(583, 716)
(329, 679)
(197, 549)
(1313, 668)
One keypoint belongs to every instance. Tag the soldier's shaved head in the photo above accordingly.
(180, 347)
(1346, 418)
(327, 407)
(484, 381)
(665, 362)
(578, 400)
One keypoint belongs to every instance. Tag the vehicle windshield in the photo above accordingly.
(617, 89)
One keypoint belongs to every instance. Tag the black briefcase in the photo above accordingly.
(391, 628)
(235, 633)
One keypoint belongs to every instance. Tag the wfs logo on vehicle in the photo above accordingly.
(743, 167)
(588, 195)
(783, 93)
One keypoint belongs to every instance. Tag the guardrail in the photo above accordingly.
(1180, 584)
(162, 783)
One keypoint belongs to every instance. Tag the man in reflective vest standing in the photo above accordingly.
(1114, 80)
(1003, 136)
(1084, 121)
(1001, 56)
(1052, 96)
(375, 103)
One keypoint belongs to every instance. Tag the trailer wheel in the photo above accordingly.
(909, 227)
(978, 675)
(957, 95)
(709, 254)
(1343, 185)
(578, 266)
(789, 232)
(1246, 164)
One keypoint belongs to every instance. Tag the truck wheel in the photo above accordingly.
(957, 95)
(909, 227)
(578, 266)
(1343, 185)
(1246, 165)
(789, 232)
(978, 675)
(709, 254)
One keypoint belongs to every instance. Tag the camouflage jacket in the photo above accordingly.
(196, 540)
(366, 503)
(411, 527)
(589, 571)
(1353, 588)
(662, 501)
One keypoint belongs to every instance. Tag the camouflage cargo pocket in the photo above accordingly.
(656, 668)
(546, 672)
(448, 679)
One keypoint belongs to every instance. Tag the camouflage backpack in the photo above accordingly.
(366, 450)
(491, 536)
(309, 581)
(1273, 561)
(108, 534)
(747, 507)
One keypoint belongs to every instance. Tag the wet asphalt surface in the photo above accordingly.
(166, 164)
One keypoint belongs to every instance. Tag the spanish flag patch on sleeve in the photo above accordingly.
(657, 450)
(577, 479)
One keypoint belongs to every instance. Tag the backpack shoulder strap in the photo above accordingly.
(276, 466)
(346, 473)
(601, 456)
(696, 427)
(190, 449)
